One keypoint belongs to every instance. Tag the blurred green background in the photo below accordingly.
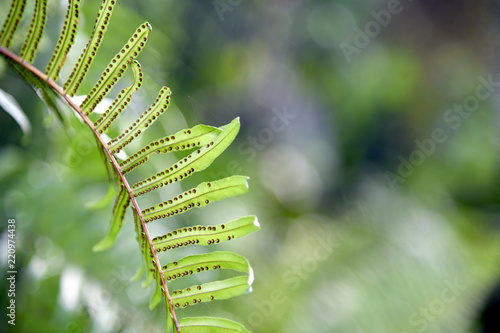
(369, 131)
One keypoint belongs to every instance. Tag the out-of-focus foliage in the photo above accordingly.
(377, 192)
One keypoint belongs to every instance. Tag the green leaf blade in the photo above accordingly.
(89, 52)
(30, 46)
(210, 291)
(121, 204)
(42, 88)
(146, 252)
(197, 161)
(116, 68)
(143, 122)
(210, 325)
(204, 262)
(202, 195)
(11, 22)
(65, 41)
(157, 295)
(206, 235)
(194, 137)
(105, 200)
(121, 101)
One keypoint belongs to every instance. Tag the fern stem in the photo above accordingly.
(10, 55)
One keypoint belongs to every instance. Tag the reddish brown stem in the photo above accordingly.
(10, 55)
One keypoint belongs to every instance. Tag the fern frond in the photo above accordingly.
(195, 162)
(89, 52)
(147, 118)
(30, 46)
(116, 68)
(206, 235)
(65, 41)
(11, 22)
(194, 137)
(210, 325)
(200, 196)
(204, 143)
(121, 101)
(204, 262)
(210, 291)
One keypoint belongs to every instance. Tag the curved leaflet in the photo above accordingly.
(115, 68)
(121, 101)
(65, 41)
(12, 21)
(206, 235)
(89, 52)
(200, 196)
(210, 291)
(121, 204)
(204, 262)
(195, 162)
(210, 325)
(142, 123)
(190, 138)
(35, 31)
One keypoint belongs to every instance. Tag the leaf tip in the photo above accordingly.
(138, 274)
(153, 303)
(250, 280)
(256, 222)
(236, 122)
(102, 245)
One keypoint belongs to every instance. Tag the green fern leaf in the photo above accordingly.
(116, 68)
(210, 325)
(195, 162)
(121, 204)
(203, 143)
(200, 196)
(30, 46)
(105, 200)
(206, 235)
(65, 41)
(90, 50)
(148, 260)
(138, 273)
(146, 252)
(156, 297)
(204, 262)
(43, 90)
(142, 123)
(194, 137)
(11, 22)
(170, 321)
(121, 101)
(210, 291)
